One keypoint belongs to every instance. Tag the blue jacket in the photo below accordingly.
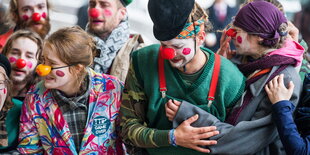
(293, 142)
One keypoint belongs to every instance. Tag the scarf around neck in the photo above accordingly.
(265, 62)
(249, 68)
(108, 48)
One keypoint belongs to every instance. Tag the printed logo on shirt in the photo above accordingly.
(100, 125)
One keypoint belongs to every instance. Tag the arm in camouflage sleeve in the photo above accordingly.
(134, 130)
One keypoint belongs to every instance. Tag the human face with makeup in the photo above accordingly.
(104, 16)
(65, 60)
(185, 54)
(61, 76)
(184, 51)
(246, 43)
(31, 14)
(23, 58)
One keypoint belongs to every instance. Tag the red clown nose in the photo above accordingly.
(36, 17)
(93, 12)
(231, 32)
(20, 63)
(167, 53)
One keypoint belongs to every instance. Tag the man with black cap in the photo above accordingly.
(27, 14)
(108, 23)
(9, 110)
(177, 71)
(261, 35)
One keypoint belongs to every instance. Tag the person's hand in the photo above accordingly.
(172, 108)
(292, 31)
(224, 49)
(277, 91)
(192, 137)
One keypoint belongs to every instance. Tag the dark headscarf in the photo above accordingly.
(261, 18)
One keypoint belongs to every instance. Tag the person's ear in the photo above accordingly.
(201, 37)
(260, 40)
(79, 68)
(122, 13)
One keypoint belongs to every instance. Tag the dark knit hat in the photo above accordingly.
(169, 17)
(4, 62)
(126, 2)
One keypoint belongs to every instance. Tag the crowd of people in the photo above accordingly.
(101, 91)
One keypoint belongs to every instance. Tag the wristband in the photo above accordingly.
(172, 138)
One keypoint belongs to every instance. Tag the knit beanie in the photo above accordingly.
(4, 62)
(126, 2)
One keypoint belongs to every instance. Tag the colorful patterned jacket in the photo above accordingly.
(43, 129)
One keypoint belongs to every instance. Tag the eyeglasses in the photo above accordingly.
(43, 70)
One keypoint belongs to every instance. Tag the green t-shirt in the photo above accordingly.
(189, 79)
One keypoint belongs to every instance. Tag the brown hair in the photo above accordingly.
(73, 46)
(13, 11)
(199, 13)
(8, 100)
(24, 34)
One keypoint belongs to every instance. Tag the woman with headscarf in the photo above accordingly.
(259, 30)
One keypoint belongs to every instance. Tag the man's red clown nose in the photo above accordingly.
(36, 17)
(167, 53)
(93, 12)
(20, 63)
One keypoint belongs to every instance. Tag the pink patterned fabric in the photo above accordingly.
(44, 130)
(290, 49)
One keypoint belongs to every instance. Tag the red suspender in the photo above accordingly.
(213, 84)
(161, 72)
(214, 80)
